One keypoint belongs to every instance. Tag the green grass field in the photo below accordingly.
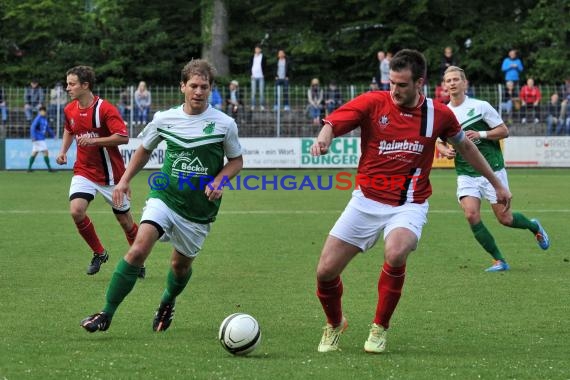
(453, 321)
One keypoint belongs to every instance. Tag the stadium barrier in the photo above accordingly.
(293, 153)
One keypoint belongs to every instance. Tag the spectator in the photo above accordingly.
(441, 94)
(385, 72)
(333, 97)
(33, 99)
(315, 98)
(233, 100)
(512, 67)
(3, 106)
(282, 80)
(447, 59)
(564, 92)
(57, 102)
(530, 99)
(509, 95)
(215, 98)
(470, 92)
(124, 105)
(143, 100)
(38, 131)
(381, 56)
(258, 65)
(553, 111)
(373, 86)
(564, 122)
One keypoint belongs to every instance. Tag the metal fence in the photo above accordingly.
(274, 120)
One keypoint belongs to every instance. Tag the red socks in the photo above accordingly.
(132, 234)
(330, 293)
(87, 231)
(390, 287)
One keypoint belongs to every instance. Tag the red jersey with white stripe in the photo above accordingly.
(102, 165)
(397, 144)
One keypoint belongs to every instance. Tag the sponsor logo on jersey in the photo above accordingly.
(87, 134)
(405, 146)
(209, 128)
(188, 166)
(471, 112)
(383, 121)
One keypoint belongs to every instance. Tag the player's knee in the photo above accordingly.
(181, 267)
(395, 258)
(136, 255)
(326, 271)
(77, 214)
(473, 217)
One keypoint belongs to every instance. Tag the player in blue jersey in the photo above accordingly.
(39, 130)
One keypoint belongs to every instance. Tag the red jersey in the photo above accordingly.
(397, 144)
(530, 95)
(102, 165)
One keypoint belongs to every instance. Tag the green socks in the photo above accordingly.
(33, 158)
(484, 237)
(521, 221)
(174, 286)
(122, 282)
(46, 159)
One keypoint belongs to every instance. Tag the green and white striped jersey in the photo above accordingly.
(478, 115)
(195, 150)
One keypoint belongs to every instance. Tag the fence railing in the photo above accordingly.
(273, 121)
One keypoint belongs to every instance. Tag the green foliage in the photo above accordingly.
(131, 40)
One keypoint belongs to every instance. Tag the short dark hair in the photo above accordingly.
(198, 67)
(85, 74)
(412, 60)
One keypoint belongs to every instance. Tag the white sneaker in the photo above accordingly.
(376, 342)
(331, 336)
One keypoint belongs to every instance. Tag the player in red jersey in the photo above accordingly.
(98, 130)
(399, 130)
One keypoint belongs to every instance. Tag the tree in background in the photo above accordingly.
(130, 40)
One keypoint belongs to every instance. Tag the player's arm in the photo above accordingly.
(498, 133)
(137, 162)
(469, 151)
(213, 190)
(67, 140)
(113, 140)
(324, 140)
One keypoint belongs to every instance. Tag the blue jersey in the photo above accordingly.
(40, 128)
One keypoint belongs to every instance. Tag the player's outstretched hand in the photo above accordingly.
(119, 193)
(504, 197)
(61, 159)
(213, 191)
(319, 148)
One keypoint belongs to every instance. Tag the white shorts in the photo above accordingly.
(39, 146)
(81, 187)
(364, 219)
(186, 237)
(480, 187)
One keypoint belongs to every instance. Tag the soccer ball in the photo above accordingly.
(239, 334)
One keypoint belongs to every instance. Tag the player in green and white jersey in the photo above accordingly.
(185, 195)
(483, 125)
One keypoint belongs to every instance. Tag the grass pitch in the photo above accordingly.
(453, 321)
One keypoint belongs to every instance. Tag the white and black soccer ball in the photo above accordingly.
(239, 334)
